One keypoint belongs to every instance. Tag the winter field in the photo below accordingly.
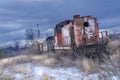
(54, 66)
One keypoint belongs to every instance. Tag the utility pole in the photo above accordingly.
(38, 32)
(38, 37)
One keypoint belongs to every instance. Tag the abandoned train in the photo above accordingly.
(80, 35)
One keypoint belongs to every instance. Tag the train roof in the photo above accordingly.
(61, 24)
(50, 38)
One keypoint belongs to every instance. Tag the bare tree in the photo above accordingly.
(17, 44)
(30, 35)
(33, 34)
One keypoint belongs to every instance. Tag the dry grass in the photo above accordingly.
(115, 53)
(44, 60)
(20, 69)
(89, 66)
(111, 66)
(111, 62)
(7, 77)
(17, 64)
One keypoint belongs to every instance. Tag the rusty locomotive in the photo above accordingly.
(80, 35)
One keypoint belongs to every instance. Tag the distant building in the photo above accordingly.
(49, 44)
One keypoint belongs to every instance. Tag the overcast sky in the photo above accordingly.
(17, 15)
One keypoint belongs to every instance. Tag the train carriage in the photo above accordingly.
(80, 35)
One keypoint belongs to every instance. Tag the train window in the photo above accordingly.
(65, 32)
(67, 22)
(58, 28)
(55, 31)
(86, 24)
(91, 22)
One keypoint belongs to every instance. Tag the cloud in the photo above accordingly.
(19, 32)
(48, 31)
(110, 22)
(12, 35)
(10, 25)
(40, 0)
(30, 1)
(2, 10)
(17, 15)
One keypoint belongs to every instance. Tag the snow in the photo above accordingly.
(70, 73)
(58, 73)
(55, 73)
(18, 76)
(114, 78)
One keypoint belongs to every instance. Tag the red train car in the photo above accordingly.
(60, 34)
(80, 34)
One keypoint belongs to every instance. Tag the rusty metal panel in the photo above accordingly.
(103, 37)
(86, 30)
(66, 36)
(78, 29)
(58, 40)
(90, 31)
(58, 33)
(58, 36)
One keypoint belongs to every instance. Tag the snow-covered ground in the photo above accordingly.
(31, 72)
(51, 66)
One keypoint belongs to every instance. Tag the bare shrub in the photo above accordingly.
(66, 61)
(115, 59)
(4, 75)
(20, 69)
(114, 47)
(28, 78)
(49, 61)
(46, 76)
(7, 77)
(89, 66)
(113, 63)
(2, 69)
(78, 64)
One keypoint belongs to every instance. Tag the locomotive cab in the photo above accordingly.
(80, 35)
(88, 39)
(86, 30)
